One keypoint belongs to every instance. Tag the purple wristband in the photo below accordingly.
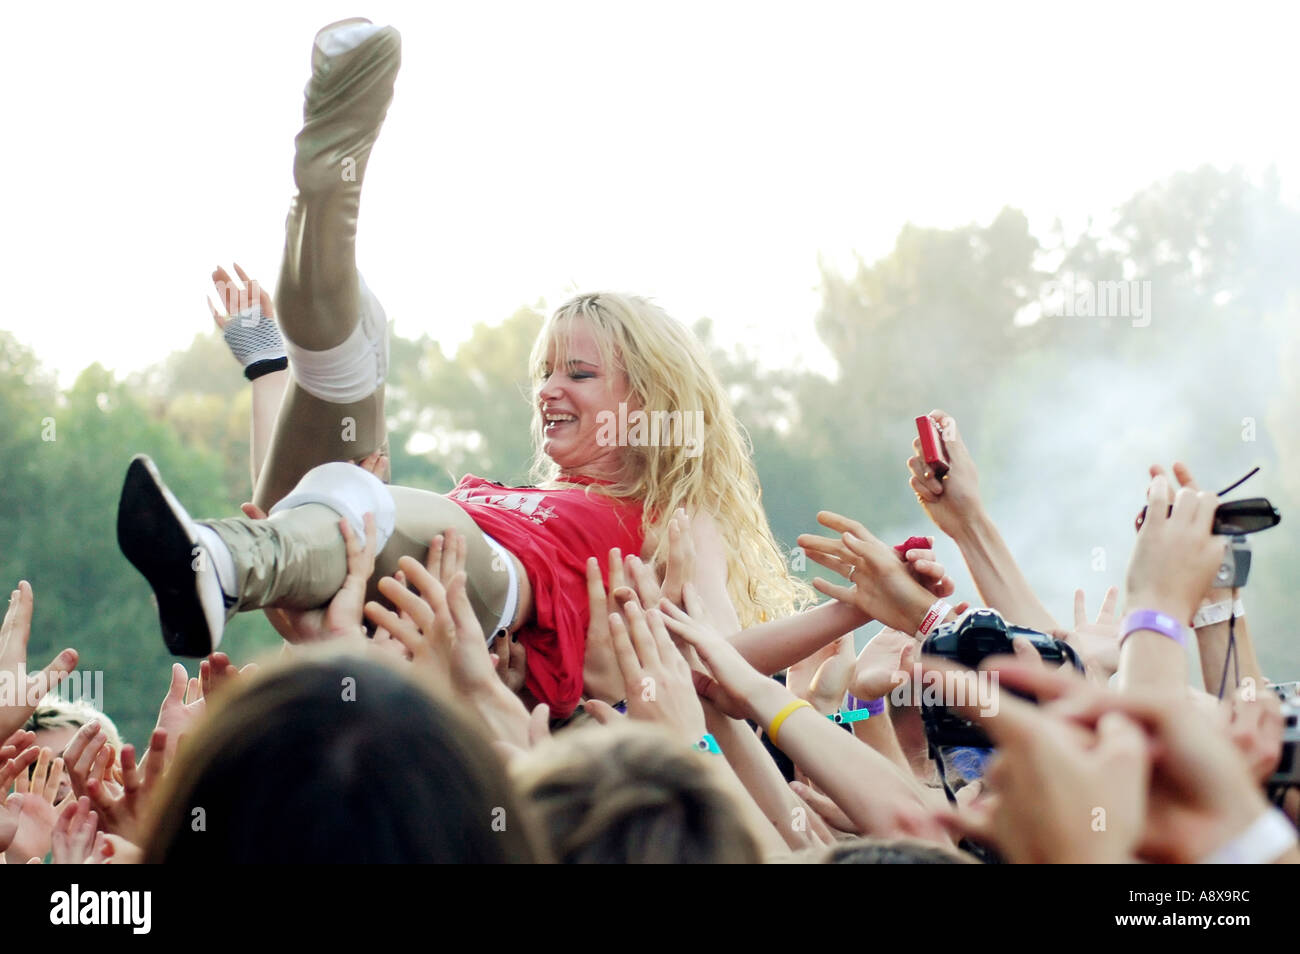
(874, 706)
(1156, 622)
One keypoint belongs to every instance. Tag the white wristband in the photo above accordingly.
(933, 617)
(1211, 613)
(1267, 839)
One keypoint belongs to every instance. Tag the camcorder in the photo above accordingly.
(1235, 519)
(968, 641)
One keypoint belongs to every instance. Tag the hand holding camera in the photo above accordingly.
(1234, 519)
(944, 478)
(1177, 556)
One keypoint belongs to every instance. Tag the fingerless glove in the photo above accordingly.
(255, 342)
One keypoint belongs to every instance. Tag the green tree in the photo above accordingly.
(475, 409)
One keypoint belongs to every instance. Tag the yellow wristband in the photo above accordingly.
(785, 714)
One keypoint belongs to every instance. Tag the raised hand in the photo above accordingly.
(443, 640)
(510, 657)
(798, 677)
(658, 678)
(182, 705)
(438, 627)
(641, 580)
(680, 567)
(12, 746)
(121, 806)
(731, 682)
(237, 300)
(217, 671)
(15, 633)
(884, 664)
(11, 770)
(74, 833)
(831, 680)
(39, 813)
(1201, 794)
(444, 562)
(1176, 555)
(1255, 727)
(1096, 642)
(952, 502)
(601, 676)
(446, 557)
(928, 571)
(87, 755)
(11, 809)
(823, 677)
(881, 586)
(342, 618)
(1182, 474)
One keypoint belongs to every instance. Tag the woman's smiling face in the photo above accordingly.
(576, 392)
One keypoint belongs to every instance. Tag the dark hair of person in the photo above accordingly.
(339, 759)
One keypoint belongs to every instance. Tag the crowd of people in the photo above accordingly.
(615, 664)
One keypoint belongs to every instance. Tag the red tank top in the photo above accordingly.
(553, 533)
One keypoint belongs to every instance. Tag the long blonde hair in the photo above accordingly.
(668, 371)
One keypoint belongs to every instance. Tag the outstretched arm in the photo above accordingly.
(710, 576)
(870, 789)
(775, 645)
(1172, 567)
(1217, 667)
(268, 392)
(954, 505)
(772, 647)
(248, 325)
(697, 555)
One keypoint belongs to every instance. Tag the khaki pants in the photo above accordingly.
(297, 558)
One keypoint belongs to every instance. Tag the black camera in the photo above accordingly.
(1235, 518)
(979, 634)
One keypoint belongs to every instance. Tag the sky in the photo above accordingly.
(708, 154)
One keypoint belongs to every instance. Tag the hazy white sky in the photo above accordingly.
(703, 153)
